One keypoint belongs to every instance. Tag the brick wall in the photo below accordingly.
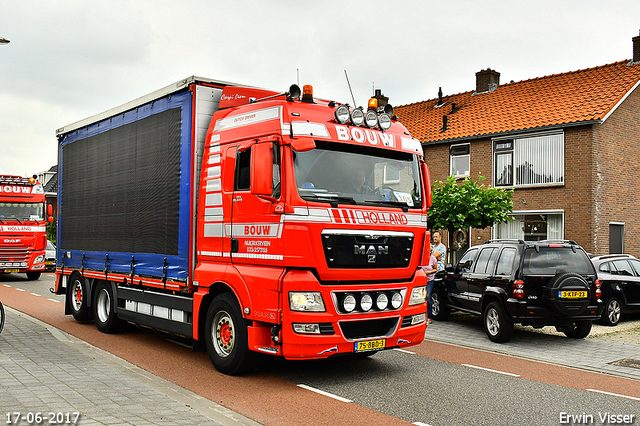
(617, 164)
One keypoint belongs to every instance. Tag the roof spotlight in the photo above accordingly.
(357, 117)
(384, 121)
(342, 114)
(371, 119)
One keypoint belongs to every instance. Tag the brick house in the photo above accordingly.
(568, 144)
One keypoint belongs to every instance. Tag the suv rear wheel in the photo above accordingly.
(498, 327)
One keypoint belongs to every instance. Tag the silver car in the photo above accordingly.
(50, 257)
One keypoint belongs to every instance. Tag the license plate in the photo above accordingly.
(369, 345)
(572, 294)
(11, 270)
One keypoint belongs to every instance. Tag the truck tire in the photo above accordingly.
(78, 297)
(33, 276)
(439, 311)
(104, 304)
(226, 336)
(498, 327)
(611, 313)
(579, 330)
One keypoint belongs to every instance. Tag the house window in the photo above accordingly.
(532, 226)
(529, 161)
(390, 174)
(459, 160)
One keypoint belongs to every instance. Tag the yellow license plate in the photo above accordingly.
(572, 294)
(370, 345)
(11, 270)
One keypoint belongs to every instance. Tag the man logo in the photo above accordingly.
(370, 251)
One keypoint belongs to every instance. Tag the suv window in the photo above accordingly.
(483, 264)
(466, 263)
(505, 262)
(622, 267)
(551, 260)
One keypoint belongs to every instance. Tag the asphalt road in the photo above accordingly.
(431, 384)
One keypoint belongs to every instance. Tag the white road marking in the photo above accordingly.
(614, 394)
(330, 395)
(405, 351)
(493, 371)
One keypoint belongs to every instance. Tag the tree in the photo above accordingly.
(468, 205)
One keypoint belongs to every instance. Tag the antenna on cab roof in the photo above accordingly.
(349, 84)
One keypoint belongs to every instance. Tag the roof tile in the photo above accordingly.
(567, 98)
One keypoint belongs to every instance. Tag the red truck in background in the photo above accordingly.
(250, 220)
(23, 237)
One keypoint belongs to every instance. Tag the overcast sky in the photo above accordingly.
(68, 60)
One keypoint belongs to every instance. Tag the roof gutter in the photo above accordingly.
(515, 132)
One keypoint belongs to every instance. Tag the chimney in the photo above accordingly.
(382, 99)
(487, 80)
(636, 49)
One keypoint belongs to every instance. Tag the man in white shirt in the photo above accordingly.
(439, 250)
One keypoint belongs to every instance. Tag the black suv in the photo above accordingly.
(535, 283)
(620, 276)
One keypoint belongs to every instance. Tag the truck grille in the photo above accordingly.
(368, 328)
(367, 249)
(13, 257)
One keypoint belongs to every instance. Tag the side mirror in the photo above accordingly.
(427, 182)
(49, 209)
(262, 169)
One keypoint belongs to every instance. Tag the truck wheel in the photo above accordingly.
(439, 311)
(611, 313)
(498, 327)
(226, 336)
(104, 304)
(78, 297)
(579, 330)
(32, 276)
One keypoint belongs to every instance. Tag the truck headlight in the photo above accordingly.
(418, 295)
(39, 259)
(306, 301)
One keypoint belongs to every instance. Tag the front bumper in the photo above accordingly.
(341, 333)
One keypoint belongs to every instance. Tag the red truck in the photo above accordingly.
(23, 237)
(249, 220)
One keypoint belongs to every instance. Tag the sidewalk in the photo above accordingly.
(44, 370)
(616, 358)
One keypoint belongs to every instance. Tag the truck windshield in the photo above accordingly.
(358, 175)
(21, 211)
